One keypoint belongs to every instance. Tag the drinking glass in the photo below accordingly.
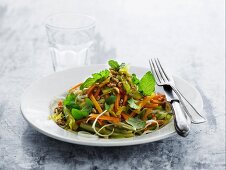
(70, 36)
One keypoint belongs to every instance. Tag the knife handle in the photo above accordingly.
(182, 125)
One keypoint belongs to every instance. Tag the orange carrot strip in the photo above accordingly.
(97, 93)
(151, 105)
(146, 99)
(152, 125)
(153, 116)
(125, 100)
(160, 122)
(60, 103)
(109, 118)
(101, 123)
(159, 97)
(81, 120)
(96, 104)
(90, 89)
(133, 114)
(75, 87)
(117, 102)
(147, 113)
(157, 101)
(125, 116)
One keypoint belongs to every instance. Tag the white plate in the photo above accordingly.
(35, 106)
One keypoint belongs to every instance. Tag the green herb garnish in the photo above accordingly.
(147, 84)
(102, 75)
(135, 80)
(114, 64)
(69, 102)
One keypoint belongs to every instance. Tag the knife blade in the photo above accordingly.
(193, 114)
(181, 121)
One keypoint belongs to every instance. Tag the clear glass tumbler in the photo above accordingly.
(70, 36)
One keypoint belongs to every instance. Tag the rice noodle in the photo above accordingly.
(106, 126)
(94, 124)
(149, 122)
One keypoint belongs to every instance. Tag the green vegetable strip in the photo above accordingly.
(105, 132)
(120, 130)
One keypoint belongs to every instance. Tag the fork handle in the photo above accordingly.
(181, 123)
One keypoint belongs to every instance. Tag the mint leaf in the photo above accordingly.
(114, 64)
(102, 75)
(147, 84)
(79, 114)
(69, 102)
(87, 83)
(132, 104)
(84, 112)
(135, 80)
(70, 96)
(136, 123)
(110, 100)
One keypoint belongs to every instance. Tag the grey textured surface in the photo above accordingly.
(187, 35)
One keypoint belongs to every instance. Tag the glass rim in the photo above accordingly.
(52, 26)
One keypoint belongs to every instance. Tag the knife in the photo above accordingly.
(181, 120)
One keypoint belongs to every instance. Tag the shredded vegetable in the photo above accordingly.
(113, 104)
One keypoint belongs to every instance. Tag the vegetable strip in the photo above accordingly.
(125, 116)
(151, 105)
(109, 118)
(157, 101)
(117, 102)
(146, 99)
(133, 114)
(89, 91)
(125, 100)
(148, 112)
(97, 92)
(96, 104)
(75, 87)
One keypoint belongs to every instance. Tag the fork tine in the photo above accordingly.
(153, 72)
(159, 70)
(151, 67)
(163, 71)
(156, 71)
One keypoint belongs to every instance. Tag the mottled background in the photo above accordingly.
(188, 36)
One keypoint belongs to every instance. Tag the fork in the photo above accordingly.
(168, 80)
